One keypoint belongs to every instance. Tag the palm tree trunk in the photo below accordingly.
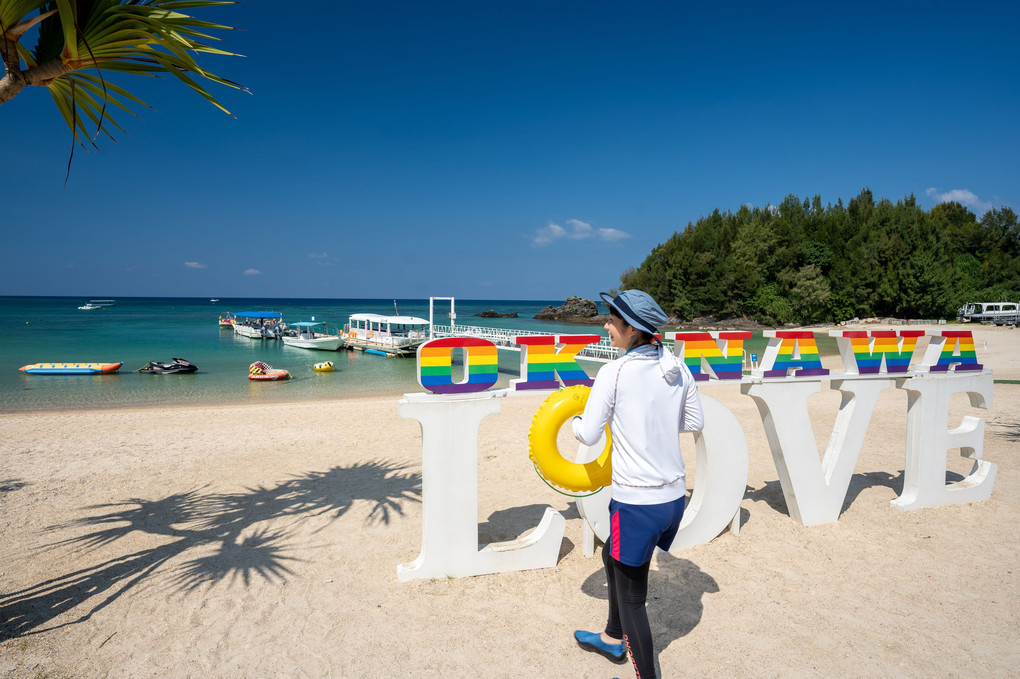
(15, 79)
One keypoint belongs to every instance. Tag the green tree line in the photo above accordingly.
(803, 263)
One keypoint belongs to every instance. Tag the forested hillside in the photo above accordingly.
(802, 262)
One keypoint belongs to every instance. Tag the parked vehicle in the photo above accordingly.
(999, 313)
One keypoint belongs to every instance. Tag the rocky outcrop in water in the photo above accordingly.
(574, 310)
(493, 314)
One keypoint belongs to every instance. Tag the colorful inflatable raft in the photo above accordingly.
(263, 371)
(70, 368)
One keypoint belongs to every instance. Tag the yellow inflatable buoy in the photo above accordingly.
(324, 367)
(545, 426)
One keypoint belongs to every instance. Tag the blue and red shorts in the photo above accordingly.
(636, 530)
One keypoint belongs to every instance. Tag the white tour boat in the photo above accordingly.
(313, 335)
(389, 335)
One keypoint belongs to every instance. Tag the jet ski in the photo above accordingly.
(178, 366)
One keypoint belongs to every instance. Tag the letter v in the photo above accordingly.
(814, 490)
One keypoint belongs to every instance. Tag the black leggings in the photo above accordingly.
(628, 620)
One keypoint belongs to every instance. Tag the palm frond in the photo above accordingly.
(92, 38)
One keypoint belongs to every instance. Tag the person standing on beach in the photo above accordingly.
(647, 397)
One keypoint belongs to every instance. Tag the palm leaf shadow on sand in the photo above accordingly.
(11, 485)
(1007, 430)
(223, 530)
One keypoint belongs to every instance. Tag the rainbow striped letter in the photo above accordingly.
(721, 353)
(790, 350)
(947, 348)
(435, 365)
(540, 361)
(863, 352)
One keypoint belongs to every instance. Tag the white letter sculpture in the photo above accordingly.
(929, 439)
(449, 495)
(719, 483)
(814, 491)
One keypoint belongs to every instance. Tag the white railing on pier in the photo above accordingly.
(507, 339)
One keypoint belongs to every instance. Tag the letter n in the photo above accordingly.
(716, 354)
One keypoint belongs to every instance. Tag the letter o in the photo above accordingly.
(435, 365)
(719, 482)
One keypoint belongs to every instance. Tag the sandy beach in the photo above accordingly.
(263, 541)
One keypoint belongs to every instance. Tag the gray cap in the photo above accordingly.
(638, 309)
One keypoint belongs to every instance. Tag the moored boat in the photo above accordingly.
(70, 368)
(226, 320)
(389, 335)
(313, 335)
(97, 304)
(259, 324)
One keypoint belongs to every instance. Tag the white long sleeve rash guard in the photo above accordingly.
(647, 397)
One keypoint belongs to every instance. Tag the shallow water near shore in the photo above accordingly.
(137, 330)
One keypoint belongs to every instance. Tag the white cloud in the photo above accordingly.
(575, 230)
(194, 265)
(612, 234)
(321, 255)
(252, 272)
(961, 196)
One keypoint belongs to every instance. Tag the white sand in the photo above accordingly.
(263, 541)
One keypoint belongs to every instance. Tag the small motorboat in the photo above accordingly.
(176, 367)
(263, 371)
(70, 368)
(313, 335)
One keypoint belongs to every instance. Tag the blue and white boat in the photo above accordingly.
(259, 324)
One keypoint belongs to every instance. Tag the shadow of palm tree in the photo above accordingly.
(9, 485)
(225, 527)
(1007, 430)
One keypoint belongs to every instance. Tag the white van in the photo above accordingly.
(1000, 313)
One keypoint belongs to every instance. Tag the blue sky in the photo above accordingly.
(506, 150)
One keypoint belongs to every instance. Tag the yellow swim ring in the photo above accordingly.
(324, 367)
(545, 426)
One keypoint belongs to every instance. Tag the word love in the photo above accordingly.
(815, 486)
(549, 362)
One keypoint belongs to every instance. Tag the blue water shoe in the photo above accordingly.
(592, 641)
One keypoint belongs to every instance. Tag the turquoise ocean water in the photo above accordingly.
(137, 330)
